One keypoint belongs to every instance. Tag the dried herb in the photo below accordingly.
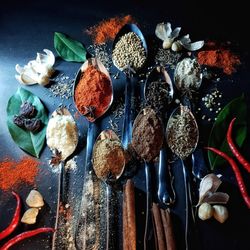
(27, 110)
(217, 139)
(28, 141)
(68, 48)
(33, 125)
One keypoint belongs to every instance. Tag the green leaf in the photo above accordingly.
(236, 108)
(28, 141)
(68, 48)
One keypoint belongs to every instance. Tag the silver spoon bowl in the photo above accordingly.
(110, 135)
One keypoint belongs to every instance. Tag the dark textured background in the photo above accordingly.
(27, 27)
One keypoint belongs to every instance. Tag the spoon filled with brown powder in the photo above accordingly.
(108, 161)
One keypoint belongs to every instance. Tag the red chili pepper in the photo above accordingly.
(234, 149)
(15, 221)
(237, 173)
(25, 235)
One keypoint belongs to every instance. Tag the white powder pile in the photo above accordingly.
(188, 75)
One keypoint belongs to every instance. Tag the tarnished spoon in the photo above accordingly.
(165, 191)
(129, 88)
(92, 129)
(153, 144)
(61, 150)
(110, 177)
(176, 140)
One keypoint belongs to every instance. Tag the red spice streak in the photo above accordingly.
(15, 173)
(94, 89)
(107, 29)
(220, 58)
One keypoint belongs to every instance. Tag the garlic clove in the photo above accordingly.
(19, 69)
(48, 58)
(205, 211)
(209, 184)
(176, 46)
(163, 30)
(185, 39)
(220, 213)
(193, 46)
(29, 217)
(175, 33)
(43, 79)
(167, 43)
(216, 198)
(35, 199)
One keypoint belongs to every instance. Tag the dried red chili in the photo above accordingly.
(237, 173)
(26, 235)
(234, 149)
(15, 221)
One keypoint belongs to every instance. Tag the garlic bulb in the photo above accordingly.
(37, 71)
(164, 32)
(185, 41)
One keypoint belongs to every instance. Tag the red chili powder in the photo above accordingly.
(220, 58)
(15, 173)
(106, 30)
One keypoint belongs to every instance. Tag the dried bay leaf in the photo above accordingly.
(30, 142)
(69, 49)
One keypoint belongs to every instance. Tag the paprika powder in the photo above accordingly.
(93, 93)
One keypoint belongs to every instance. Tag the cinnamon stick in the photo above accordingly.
(129, 226)
(125, 224)
(159, 227)
(168, 229)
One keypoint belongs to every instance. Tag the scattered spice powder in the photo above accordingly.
(14, 173)
(106, 30)
(93, 93)
(220, 58)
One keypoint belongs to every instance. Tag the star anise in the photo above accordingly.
(56, 158)
(90, 111)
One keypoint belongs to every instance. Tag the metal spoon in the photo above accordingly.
(147, 162)
(62, 154)
(92, 128)
(172, 142)
(165, 192)
(199, 168)
(129, 88)
(109, 179)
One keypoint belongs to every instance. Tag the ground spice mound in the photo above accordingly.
(106, 30)
(15, 173)
(220, 58)
(94, 90)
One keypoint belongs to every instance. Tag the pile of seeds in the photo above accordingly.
(103, 53)
(62, 87)
(182, 133)
(157, 95)
(129, 52)
(166, 57)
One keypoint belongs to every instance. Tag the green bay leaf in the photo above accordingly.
(236, 108)
(30, 142)
(68, 48)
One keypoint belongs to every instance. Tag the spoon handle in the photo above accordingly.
(165, 190)
(127, 123)
(91, 135)
(110, 241)
(149, 202)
